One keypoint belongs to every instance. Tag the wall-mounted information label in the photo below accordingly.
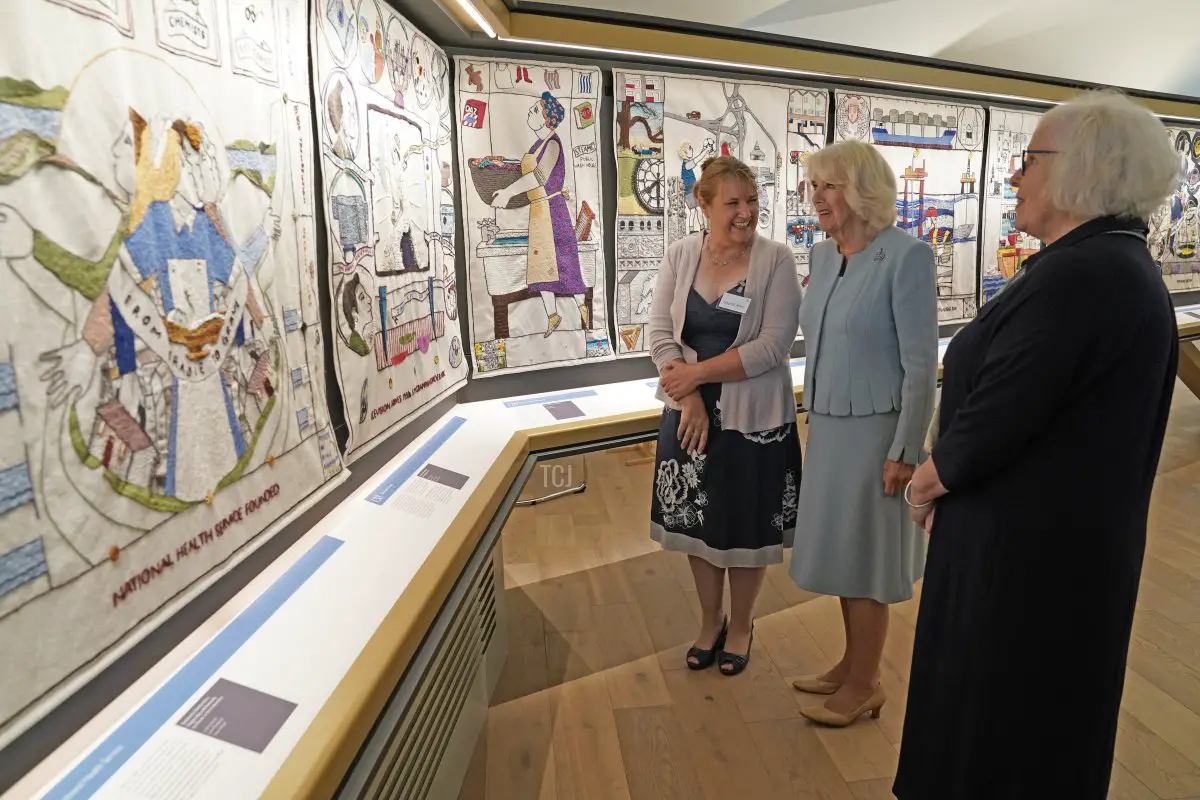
(432, 487)
(446, 477)
(519, 402)
(564, 410)
(238, 715)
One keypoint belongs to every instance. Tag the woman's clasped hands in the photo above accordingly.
(693, 424)
(679, 379)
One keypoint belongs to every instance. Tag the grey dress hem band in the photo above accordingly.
(734, 557)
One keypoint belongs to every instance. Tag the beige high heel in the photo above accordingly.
(823, 716)
(815, 684)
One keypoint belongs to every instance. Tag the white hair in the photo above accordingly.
(1115, 158)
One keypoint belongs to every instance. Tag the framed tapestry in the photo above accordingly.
(1175, 227)
(162, 378)
(1005, 248)
(384, 132)
(665, 127)
(529, 162)
(936, 149)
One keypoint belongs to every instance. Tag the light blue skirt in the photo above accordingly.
(851, 539)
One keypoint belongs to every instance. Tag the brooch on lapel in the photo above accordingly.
(879, 256)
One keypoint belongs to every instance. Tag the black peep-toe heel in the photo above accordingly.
(705, 658)
(732, 663)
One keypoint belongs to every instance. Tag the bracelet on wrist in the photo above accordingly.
(908, 499)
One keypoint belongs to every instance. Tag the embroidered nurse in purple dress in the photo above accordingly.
(552, 264)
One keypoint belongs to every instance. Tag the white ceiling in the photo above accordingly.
(1151, 45)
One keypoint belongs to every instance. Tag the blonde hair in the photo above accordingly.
(868, 181)
(157, 167)
(717, 169)
(1115, 160)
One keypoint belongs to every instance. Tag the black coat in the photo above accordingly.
(1054, 407)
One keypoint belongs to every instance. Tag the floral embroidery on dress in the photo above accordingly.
(770, 435)
(716, 421)
(790, 496)
(674, 485)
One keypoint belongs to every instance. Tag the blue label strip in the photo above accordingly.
(392, 483)
(104, 760)
(550, 398)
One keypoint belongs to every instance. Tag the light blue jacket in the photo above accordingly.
(882, 354)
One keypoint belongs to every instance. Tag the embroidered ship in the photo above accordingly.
(909, 129)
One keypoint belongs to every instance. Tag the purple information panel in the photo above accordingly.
(238, 715)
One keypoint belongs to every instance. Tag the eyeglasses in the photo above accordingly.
(1026, 153)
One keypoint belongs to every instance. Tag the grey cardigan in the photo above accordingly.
(765, 399)
(882, 356)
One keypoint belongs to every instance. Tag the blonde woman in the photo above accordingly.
(870, 331)
(724, 318)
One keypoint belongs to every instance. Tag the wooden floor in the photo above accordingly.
(595, 701)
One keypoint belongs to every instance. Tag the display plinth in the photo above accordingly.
(353, 602)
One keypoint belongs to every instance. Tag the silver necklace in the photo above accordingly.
(718, 262)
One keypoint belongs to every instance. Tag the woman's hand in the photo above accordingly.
(693, 424)
(896, 474)
(679, 379)
(926, 488)
(923, 516)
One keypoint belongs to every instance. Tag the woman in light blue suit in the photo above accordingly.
(870, 330)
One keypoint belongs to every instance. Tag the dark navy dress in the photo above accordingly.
(734, 505)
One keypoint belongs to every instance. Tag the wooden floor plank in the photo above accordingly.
(1163, 714)
(860, 751)
(761, 692)
(790, 645)
(1124, 786)
(727, 762)
(637, 684)
(796, 759)
(588, 763)
(657, 759)
(1159, 665)
(1156, 765)
(880, 789)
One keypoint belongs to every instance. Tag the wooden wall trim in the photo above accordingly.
(494, 11)
(832, 66)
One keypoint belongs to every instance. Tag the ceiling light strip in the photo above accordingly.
(468, 6)
(800, 73)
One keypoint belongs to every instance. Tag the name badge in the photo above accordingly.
(734, 303)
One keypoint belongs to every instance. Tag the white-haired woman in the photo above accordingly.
(870, 331)
(1054, 404)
